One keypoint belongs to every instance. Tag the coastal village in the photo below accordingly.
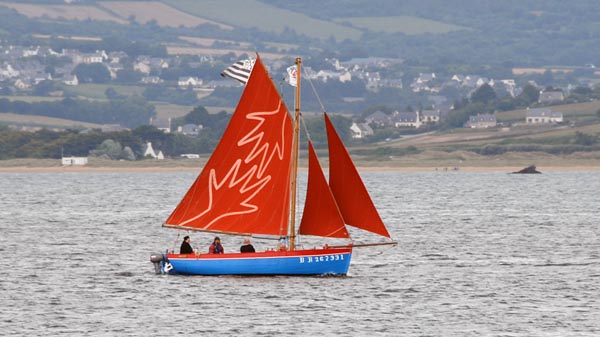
(23, 69)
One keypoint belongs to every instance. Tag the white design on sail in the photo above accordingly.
(256, 171)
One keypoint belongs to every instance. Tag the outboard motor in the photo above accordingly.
(158, 260)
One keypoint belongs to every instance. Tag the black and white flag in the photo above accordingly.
(240, 70)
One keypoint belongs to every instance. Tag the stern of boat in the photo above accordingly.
(160, 262)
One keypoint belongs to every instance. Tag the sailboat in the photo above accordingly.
(248, 188)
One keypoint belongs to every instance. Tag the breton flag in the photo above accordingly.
(240, 70)
(292, 75)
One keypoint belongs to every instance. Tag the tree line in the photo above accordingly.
(126, 111)
(131, 144)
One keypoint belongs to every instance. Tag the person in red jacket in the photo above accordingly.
(216, 247)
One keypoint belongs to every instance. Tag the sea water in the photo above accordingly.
(478, 254)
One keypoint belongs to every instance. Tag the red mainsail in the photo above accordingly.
(321, 216)
(244, 186)
(349, 191)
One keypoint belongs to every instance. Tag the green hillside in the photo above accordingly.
(264, 17)
(409, 25)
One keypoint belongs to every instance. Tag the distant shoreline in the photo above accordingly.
(434, 162)
(407, 169)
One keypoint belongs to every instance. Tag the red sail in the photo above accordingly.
(321, 216)
(348, 188)
(244, 186)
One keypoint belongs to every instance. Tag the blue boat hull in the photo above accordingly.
(329, 261)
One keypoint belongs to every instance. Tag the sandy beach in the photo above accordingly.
(427, 161)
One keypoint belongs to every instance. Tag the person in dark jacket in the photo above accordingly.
(247, 247)
(216, 247)
(186, 248)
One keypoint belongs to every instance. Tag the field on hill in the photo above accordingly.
(166, 110)
(63, 37)
(204, 42)
(400, 24)
(163, 14)
(181, 50)
(255, 14)
(457, 139)
(68, 12)
(43, 121)
(97, 91)
(204, 47)
(31, 99)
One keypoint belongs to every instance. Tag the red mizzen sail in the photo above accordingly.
(349, 191)
(321, 216)
(244, 186)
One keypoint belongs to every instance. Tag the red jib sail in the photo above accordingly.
(349, 191)
(244, 186)
(321, 216)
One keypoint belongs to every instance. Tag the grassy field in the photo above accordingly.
(167, 110)
(183, 50)
(68, 12)
(63, 37)
(227, 14)
(163, 14)
(97, 91)
(31, 99)
(465, 138)
(539, 71)
(400, 24)
(43, 121)
(256, 14)
(203, 42)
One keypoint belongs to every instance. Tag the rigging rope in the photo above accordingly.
(314, 91)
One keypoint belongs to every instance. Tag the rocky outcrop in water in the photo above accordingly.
(528, 170)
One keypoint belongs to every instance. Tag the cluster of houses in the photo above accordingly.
(429, 82)
(22, 66)
(417, 119)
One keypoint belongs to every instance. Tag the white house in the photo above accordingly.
(190, 155)
(543, 116)
(22, 84)
(190, 129)
(361, 130)
(184, 82)
(7, 71)
(407, 119)
(97, 57)
(481, 121)
(72, 80)
(142, 67)
(74, 161)
(429, 116)
(151, 80)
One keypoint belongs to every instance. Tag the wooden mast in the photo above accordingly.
(295, 150)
